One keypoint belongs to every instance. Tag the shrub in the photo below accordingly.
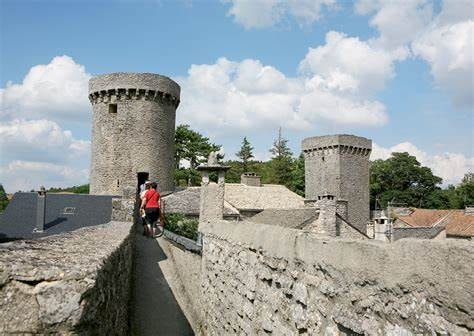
(181, 225)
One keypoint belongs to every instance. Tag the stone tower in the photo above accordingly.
(132, 131)
(339, 165)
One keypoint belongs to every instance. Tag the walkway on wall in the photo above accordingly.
(154, 309)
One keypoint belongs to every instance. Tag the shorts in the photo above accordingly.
(151, 215)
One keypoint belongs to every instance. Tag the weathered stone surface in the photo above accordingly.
(138, 136)
(339, 165)
(332, 286)
(77, 282)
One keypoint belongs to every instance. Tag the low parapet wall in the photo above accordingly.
(266, 279)
(73, 283)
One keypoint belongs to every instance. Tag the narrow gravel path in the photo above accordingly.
(154, 310)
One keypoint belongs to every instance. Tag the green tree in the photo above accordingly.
(245, 153)
(465, 191)
(281, 164)
(297, 182)
(401, 178)
(3, 198)
(194, 148)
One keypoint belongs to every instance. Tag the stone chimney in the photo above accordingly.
(326, 223)
(40, 210)
(250, 179)
(469, 211)
(211, 205)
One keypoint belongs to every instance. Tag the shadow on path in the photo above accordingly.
(154, 310)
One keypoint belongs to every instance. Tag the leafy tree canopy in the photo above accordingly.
(194, 148)
(402, 179)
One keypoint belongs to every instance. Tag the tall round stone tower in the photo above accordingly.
(133, 126)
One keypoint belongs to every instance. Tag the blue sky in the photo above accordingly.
(400, 73)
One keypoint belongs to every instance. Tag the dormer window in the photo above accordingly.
(69, 211)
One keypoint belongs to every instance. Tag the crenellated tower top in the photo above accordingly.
(342, 144)
(121, 86)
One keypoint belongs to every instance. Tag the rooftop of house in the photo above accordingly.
(456, 222)
(64, 213)
(290, 218)
(237, 197)
(416, 232)
(268, 196)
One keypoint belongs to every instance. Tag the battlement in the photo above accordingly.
(122, 86)
(336, 149)
(336, 144)
(122, 94)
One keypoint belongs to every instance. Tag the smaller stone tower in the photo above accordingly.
(339, 165)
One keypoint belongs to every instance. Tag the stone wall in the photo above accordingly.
(73, 283)
(260, 279)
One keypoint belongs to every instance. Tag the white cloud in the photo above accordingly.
(448, 47)
(30, 175)
(38, 152)
(57, 91)
(451, 167)
(444, 41)
(248, 95)
(398, 22)
(348, 64)
(267, 13)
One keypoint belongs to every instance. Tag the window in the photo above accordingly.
(113, 108)
(69, 211)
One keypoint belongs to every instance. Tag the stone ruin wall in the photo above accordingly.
(76, 283)
(260, 279)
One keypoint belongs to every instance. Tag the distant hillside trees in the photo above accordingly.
(81, 189)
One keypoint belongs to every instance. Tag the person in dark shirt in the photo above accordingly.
(151, 205)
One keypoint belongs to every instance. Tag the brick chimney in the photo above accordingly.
(40, 210)
(250, 179)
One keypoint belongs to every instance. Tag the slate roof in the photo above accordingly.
(237, 197)
(416, 232)
(19, 218)
(456, 222)
(290, 218)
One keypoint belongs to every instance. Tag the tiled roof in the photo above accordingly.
(290, 218)
(456, 222)
(268, 196)
(19, 218)
(460, 224)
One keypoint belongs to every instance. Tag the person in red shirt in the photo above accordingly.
(151, 205)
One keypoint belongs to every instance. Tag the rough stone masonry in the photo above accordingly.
(74, 283)
(267, 280)
(339, 165)
(132, 130)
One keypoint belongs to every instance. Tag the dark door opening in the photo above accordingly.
(141, 178)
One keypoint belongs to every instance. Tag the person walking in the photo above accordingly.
(143, 189)
(151, 205)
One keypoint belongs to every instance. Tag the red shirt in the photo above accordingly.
(152, 198)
